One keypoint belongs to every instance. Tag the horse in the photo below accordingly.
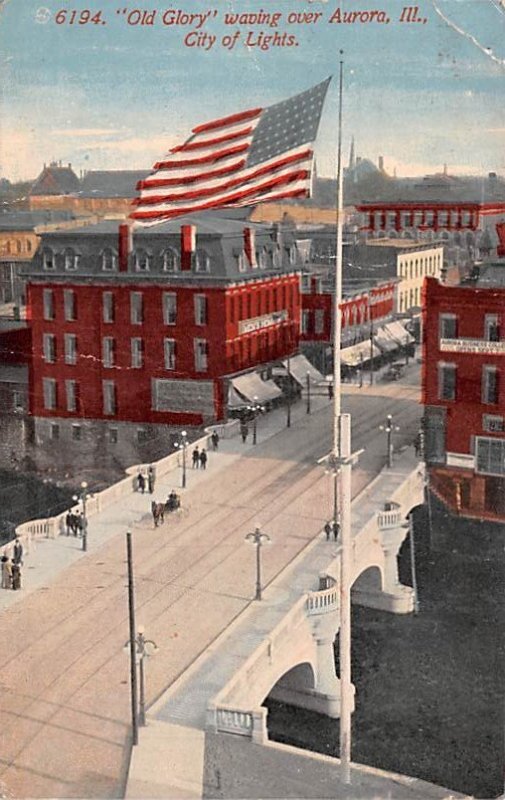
(158, 512)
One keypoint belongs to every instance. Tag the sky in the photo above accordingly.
(119, 95)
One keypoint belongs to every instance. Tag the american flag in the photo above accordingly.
(243, 159)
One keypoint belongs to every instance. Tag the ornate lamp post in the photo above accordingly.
(182, 445)
(144, 648)
(255, 409)
(83, 496)
(258, 538)
(389, 429)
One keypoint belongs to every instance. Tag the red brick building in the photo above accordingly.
(464, 392)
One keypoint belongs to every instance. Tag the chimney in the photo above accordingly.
(250, 245)
(381, 163)
(500, 230)
(125, 245)
(188, 245)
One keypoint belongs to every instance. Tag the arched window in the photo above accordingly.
(109, 259)
(241, 262)
(48, 258)
(19, 246)
(277, 257)
(70, 258)
(262, 258)
(170, 260)
(201, 260)
(142, 260)
(293, 253)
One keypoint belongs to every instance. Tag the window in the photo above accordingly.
(142, 436)
(17, 401)
(170, 353)
(170, 308)
(70, 348)
(54, 432)
(109, 259)
(201, 355)
(448, 326)
(489, 385)
(142, 261)
(491, 328)
(136, 308)
(48, 303)
(446, 381)
(137, 352)
(50, 395)
(69, 305)
(277, 257)
(305, 320)
(113, 435)
(108, 308)
(49, 347)
(200, 309)
(109, 397)
(70, 259)
(71, 392)
(201, 260)
(293, 254)
(241, 262)
(48, 261)
(492, 423)
(262, 258)
(319, 320)
(76, 433)
(490, 456)
(170, 259)
(108, 351)
(304, 284)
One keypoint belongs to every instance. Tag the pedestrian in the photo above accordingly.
(327, 530)
(16, 576)
(6, 572)
(68, 523)
(17, 556)
(196, 458)
(79, 524)
(336, 530)
(244, 430)
(141, 483)
(150, 479)
(73, 524)
(203, 458)
(330, 391)
(215, 440)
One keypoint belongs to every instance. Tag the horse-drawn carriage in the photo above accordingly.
(158, 510)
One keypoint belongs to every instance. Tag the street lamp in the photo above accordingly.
(143, 649)
(389, 429)
(308, 392)
(258, 538)
(83, 496)
(255, 409)
(288, 419)
(182, 445)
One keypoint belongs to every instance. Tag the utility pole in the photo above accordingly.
(288, 420)
(308, 392)
(132, 641)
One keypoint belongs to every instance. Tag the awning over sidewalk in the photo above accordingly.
(299, 366)
(385, 342)
(353, 356)
(254, 389)
(398, 333)
(234, 399)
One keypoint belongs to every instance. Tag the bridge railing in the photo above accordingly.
(323, 601)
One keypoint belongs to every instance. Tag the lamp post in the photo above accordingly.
(255, 408)
(143, 649)
(258, 538)
(389, 429)
(308, 392)
(288, 419)
(83, 496)
(182, 445)
(133, 637)
(371, 346)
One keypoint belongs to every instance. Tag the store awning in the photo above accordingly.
(234, 399)
(254, 389)
(385, 342)
(398, 332)
(299, 366)
(358, 353)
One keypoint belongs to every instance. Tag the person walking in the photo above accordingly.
(150, 479)
(336, 530)
(16, 577)
(196, 458)
(244, 430)
(330, 391)
(141, 483)
(203, 458)
(6, 572)
(79, 524)
(327, 529)
(68, 523)
(73, 524)
(17, 555)
(215, 440)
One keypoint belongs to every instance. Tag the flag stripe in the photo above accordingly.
(199, 145)
(154, 183)
(231, 120)
(208, 159)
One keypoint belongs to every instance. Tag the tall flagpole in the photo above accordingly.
(342, 464)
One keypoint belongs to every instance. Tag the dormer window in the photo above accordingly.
(142, 261)
(277, 257)
(48, 258)
(170, 260)
(201, 260)
(70, 259)
(262, 258)
(109, 260)
(293, 254)
(242, 262)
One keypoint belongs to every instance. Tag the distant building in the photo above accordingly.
(464, 393)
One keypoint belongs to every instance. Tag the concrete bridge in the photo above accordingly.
(283, 648)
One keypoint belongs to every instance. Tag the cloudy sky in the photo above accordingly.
(113, 95)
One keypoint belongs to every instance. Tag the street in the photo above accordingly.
(64, 703)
